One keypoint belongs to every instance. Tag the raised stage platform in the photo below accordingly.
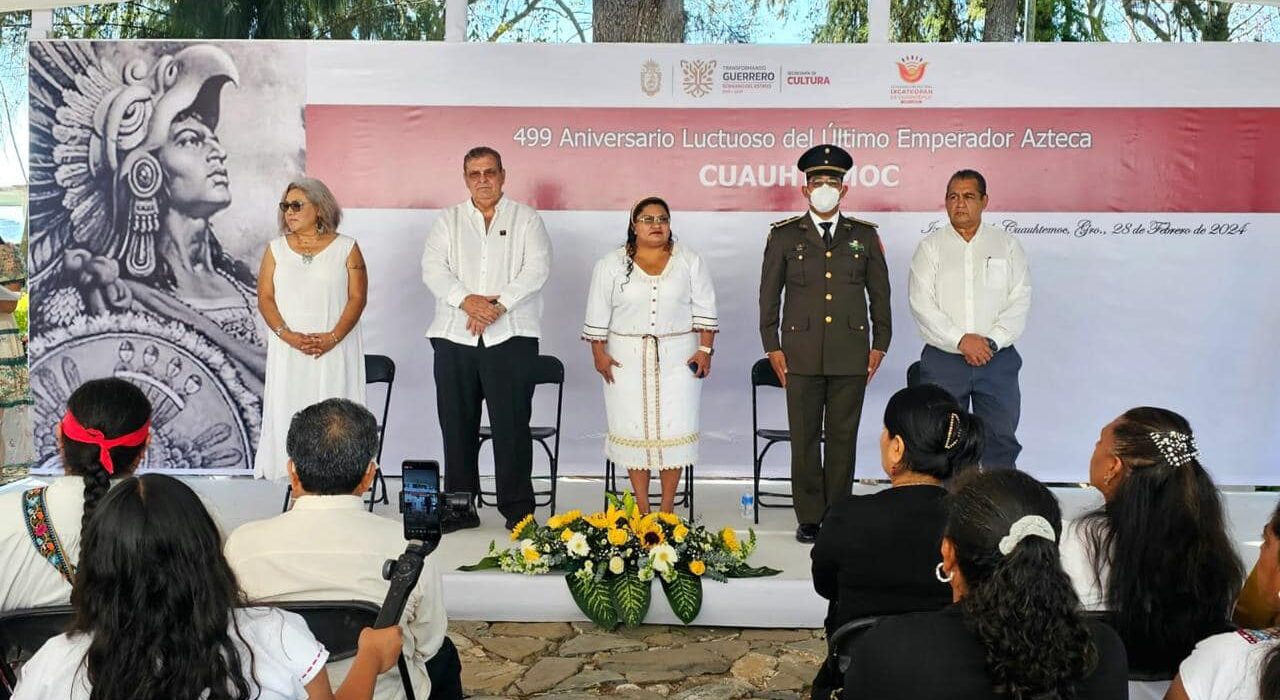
(786, 600)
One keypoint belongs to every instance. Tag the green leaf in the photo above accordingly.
(632, 597)
(744, 571)
(489, 562)
(492, 561)
(685, 596)
(595, 600)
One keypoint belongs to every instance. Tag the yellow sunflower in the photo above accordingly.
(697, 568)
(648, 533)
(566, 535)
(669, 518)
(730, 539)
(515, 531)
(618, 536)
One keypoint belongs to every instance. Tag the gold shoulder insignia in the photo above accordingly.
(786, 221)
(862, 221)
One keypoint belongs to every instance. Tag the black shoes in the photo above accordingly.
(459, 521)
(807, 533)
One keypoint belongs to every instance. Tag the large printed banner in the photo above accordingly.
(1143, 181)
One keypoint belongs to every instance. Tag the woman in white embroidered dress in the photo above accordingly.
(311, 292)
(651, 322)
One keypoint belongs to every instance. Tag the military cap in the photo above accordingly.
(825, 160)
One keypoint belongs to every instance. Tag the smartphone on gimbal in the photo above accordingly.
(420, 500)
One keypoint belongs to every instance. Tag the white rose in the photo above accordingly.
(616, 565)
(578, 546)
(664, 557)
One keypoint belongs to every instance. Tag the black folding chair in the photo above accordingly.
(685, 493)
(22, 633)
(337, 623)
(547, 369)
(762, 374)
(378, 369)
(840, 643)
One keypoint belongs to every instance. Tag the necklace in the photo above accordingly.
(309, 251)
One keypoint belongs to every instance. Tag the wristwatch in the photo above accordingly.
(709, 351)
(992, 344)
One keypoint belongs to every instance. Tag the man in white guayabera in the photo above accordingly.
(485, 262)
(970, 292)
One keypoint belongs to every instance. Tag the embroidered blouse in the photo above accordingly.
(679, 300)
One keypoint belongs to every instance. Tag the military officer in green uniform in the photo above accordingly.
(834, 330)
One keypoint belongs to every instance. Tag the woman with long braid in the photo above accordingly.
(159, 615)
(102, 439)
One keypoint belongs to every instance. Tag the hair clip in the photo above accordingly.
(1176, 448)
(1024, 527)
(953, 431)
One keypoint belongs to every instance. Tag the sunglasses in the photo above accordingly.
(295, 206)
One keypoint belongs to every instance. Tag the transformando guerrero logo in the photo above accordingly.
(699, 77)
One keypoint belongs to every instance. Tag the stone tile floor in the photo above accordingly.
(651, 662)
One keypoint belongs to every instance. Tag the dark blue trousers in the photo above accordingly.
(989, 392)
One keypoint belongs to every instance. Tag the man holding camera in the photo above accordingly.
(328, 547)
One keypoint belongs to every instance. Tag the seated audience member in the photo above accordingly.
(1015, 630)
(1254, 609)
(1156, 556)
(1244, 664)
(159, 616)
(875, 553)
(101, 439)
(328, 547)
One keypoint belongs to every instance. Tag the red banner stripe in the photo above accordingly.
(1034, 159)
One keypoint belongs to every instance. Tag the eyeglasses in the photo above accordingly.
(295, 206)
(826, 181)
(661, 220)
(482, 175)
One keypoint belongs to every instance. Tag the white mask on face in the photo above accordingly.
(824, 198)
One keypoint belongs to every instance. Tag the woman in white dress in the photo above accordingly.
(651, 322)
(311, 291)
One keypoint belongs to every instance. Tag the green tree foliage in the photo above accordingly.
(1055, 20)
(254, 19)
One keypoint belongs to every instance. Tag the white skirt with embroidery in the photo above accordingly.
(652, 405)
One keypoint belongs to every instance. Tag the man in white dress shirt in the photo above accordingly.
(330, 548)
(970, 292)
(485, 263)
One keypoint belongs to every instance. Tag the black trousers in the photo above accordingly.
(445, 671)
(498, 376)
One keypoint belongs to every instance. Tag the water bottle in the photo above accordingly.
(748, 502)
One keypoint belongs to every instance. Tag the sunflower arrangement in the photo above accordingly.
(611, 558)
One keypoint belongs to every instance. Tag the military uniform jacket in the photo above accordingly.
(836, 303)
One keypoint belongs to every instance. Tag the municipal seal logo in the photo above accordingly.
(651, 78)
